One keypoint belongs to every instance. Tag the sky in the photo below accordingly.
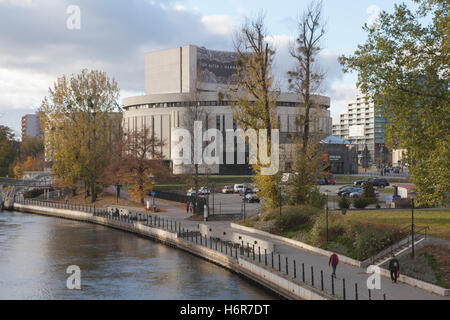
(38, 43)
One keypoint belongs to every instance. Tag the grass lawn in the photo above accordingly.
(437, 220)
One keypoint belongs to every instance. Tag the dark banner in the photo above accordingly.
(216, 66)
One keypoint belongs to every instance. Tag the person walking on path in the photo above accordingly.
(187, 207)
(394, 267)
(333, 262)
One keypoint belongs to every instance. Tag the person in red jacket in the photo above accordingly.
(333, 262)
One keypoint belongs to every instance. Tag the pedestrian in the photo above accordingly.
(394, 268)
(333, 262)
(187, 207)
(191, 206)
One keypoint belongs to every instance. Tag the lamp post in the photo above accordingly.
(280, 185)
(412, 195)
(213, 187)
(326, 210)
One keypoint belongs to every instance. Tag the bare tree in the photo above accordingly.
(306, 77)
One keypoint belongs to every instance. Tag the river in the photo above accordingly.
(35, 252)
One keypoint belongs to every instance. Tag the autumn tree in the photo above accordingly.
(143, 162)
(306, 79)
(255, 97)
(78, 120)
(403, 67)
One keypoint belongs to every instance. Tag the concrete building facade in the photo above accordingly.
(363, 125)
(30, 126)
(182, 78)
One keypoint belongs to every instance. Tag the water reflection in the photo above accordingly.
(35, 252)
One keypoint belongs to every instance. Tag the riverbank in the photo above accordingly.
(174, 234)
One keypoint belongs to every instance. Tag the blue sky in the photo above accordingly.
(36, 47)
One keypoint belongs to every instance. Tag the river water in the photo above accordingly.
(35, 252)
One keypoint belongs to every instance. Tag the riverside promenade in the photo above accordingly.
(290, 271)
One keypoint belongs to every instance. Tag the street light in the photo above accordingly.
(326, 192)
(213, 187)
(412, 196)
(280, 184)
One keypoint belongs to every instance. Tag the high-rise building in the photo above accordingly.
(30, 126)
(363, 125)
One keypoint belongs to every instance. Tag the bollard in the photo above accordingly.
(295, 270)
(321, 280)
(343, 288)
(259, 254)
(384, 296)
(332, 285)
(201, 240)
(235, 251)
(216, 244)
(265, 257)
(226, 249)
(221, 247)
(279, 262)
(312, 276)
(303, 272)
(272, 259)
(253, 252)
(356, 291)
(248, 250)
(370, 294)
(287, 264)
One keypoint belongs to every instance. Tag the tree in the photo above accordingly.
(143, 161)
(78, 122)
(30, 164)
(8, 150)
(306, 78)
(404, 68)
(365, 158)
(255, 96)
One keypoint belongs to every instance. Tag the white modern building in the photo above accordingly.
(363, 125)
(177, 80)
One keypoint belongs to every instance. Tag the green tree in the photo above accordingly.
(404, 68)
(78, 120)
(8, 151)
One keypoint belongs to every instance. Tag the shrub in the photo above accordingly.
(344, 203)
(295, 217)
(336, 228)
(316, 199)
(33, 193)
(368, 191)
(361, 203)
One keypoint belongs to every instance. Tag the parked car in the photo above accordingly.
(358, 193)
(204, 191)
(378, 182)
(358, 182)
(191, 192)
(246, 190)
(346, 191)
(227, 189)
(321, 181)
(238, 188)
(330, 179)
(251, 198)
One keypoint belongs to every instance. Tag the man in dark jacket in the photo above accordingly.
(333, 262)
(394, 267)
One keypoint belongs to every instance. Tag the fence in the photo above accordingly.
(296, 270)
(180, 198)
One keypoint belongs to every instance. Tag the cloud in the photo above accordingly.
(219, 24)
(37, 47)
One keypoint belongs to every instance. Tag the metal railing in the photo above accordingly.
(297, 271)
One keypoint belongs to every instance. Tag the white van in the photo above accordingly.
(238, 188)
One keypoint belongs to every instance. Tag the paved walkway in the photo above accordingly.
(351, 274)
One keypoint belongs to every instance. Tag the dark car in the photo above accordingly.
(358, 182)
(321, 181)
(377, 182)
(347, 190)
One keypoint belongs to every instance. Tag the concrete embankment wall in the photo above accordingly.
(273, 281)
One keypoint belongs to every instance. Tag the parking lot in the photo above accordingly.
(231, 203)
